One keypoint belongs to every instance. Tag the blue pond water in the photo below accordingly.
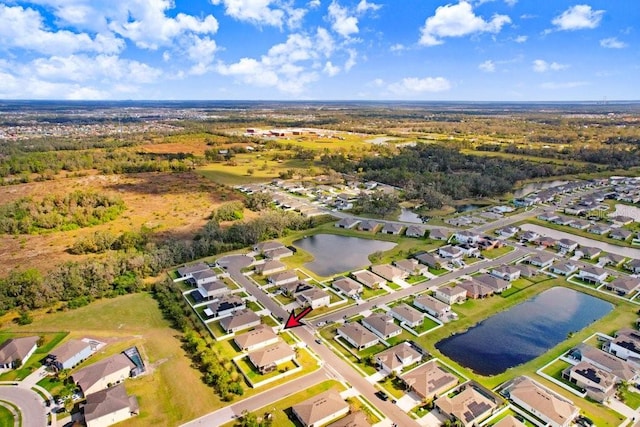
(336, 254)
(523, 332)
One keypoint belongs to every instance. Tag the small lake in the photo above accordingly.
(536, 186)
(335, 254)
(407, 215)
(467, 207)
(524, 332)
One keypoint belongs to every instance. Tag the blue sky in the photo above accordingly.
(473, 50)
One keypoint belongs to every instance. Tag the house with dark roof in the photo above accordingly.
(541, 259)
(475, 290)
(224, 306)
(347, 286)
(620, 234)
(407, 314)
(213, 289)
(200, 278)
(415, 231)
(321, 409)
(506, 272)
(599, 229)
(498, 285)
(473, 404)
(109, 406)
(358, 336)
(624, 285)
(610, 259)
(297, 287)
(626, 345)
(587, 252)
(429, 380)
(633, 265)
(268, 358)
(103, 374)
(598, 383)
(429, 259)
(411, 266)
(69, 354)
(567, 245)
(368, 225)
(187, 271)
(438, 234)
(398, 357)
(278, 253)
(347, 223)
(606, 361)
(564, 268)
(590, 273)
(15, 352)
(392, 228)
(263, 247)
(382, 325)
(526, 270)
(270, 267)
(261, 336)
(241, 319)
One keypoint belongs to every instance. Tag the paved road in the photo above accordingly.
(607, 247)
(29, 404)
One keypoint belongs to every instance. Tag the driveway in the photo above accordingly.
(28, 402)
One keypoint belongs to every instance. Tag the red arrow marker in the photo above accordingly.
(294, 320)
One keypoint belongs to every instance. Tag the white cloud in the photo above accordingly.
(542, 66)
(562, 85)
(487, 66)
(578, 17)
(414, 85)
(458, 20)
(313, 4)
(351, 60)
(521, 39)
(511, 2)
(365, 6)
(263, 12)
(398, 47)
(612, 43)
(341, 22)
(201, 51)
(330, 69)
(24, 28)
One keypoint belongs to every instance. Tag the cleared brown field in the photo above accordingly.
(168, 203)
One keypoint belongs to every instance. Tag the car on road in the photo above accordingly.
(318, 341)
(382, 395)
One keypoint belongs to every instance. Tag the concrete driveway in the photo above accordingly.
(28, 402)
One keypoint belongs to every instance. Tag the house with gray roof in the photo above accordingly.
(103, 374)
(438, 234)
(314, 298)
(588, 252)
(187, 271)
(430, 260)
(261, 336)
(347, 223)
(269, 267)
(109, 406)
(564, 268)
(432, 306)
(16, 351)
(506, 272)
(407, 314)
(357, 335)
(620, 234)
(368, 225)
(368, 279)
(429, 380)
(398, 357)
(593, 274)
(224, 306)
(415, 231)
(624, 285)
(241, 319)
(69, 354)
(498, 285)
(321, 409)
(268, 358)
(392, 228)
(347, 286)
(450, 295)
(382, 325)
(611, 259)
(213, 289)
(283, 277)
(411, 266)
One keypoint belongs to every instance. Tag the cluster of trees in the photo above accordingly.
(62, 212)
(433, 173)
(231, 211)
(258, 201)
(102, 241)
(377, 203)
(79, 283)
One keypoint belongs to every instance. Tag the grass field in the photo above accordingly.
(50, 340)
(6, 417)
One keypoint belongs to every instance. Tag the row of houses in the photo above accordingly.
(614, 230)
(475, 287)
(392, 228)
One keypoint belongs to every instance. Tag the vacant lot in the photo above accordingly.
(176, 203)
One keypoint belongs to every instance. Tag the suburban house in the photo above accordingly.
(438, 234)
(432, 306)
(506, 272)
(588, 252)
(347, 223)
(620, 220)
(550, 407)
(429, 380)
(580, 224)
(200, 278)
(411, 266)
(320, 409)
(283, 277)
(610, 259)
(354, 419)
(270, 267)
(451, 295)
(496, 284)
(599, 229)
(260, 336)
(633, 265)
(15, 352)
(606, 361)
(389, 272)
(429, 260)
(224, 306)
(470, 406)
(294, 288)
(450, 252)
(368, 279)
(598, 383)
(415, 231)
(314, 298)
(529, 236)
(407, 314)
(592, 274)
(465, 236)
(508, 231)
(212, 289)
(392, 228)
(564, 268)
(382, 325)
(356, 335)
(548, 216)
(541, 259)
(563, 220)
(475, 290)
(69, 354)
(620, 234)
(347, 286)
(547, 242)
(109, 406)
(509, 421)
(567, 245)
(263, 247)
(368, 225)
(268, 358)
(526, 270)
(241, 319)
(278, 253)
(103, 374)
(398, 357)
(626, 344)
(187, 271)
(624, 285)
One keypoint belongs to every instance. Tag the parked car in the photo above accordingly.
(382, 395)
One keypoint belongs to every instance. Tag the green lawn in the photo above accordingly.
(393, 386)
(426, 325)
(393, 286)
(56, 388)
(630, 397)
(516, 286)
(415, 279)
(328, 333)
(51, 339)
(253, 306)
(511, 412)
(372, 293)
(6, 417)
(255, 376)
(495, 253)
(438, 271)
(555, 371)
